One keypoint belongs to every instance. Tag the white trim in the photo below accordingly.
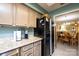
(54, 22)
(50, 27)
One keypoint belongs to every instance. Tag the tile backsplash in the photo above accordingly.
(6, 32)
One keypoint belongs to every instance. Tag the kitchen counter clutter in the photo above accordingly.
(19, 46)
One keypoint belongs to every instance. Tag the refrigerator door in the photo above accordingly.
(47, 38)
(44, 30)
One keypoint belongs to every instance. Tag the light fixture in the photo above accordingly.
(63, 27)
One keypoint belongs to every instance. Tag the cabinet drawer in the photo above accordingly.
(37, 43)
(27, 53)
(11, 53)
(27, 47)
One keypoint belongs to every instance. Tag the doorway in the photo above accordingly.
(66, 35)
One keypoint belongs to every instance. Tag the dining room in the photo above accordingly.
(66, 34)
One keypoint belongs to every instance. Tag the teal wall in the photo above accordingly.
(7, 31)
(66, 8)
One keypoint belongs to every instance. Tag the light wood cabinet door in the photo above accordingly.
(38, 15)
(14, 52)
(37, 48)
(32, 18)
(26, 50)
(6, 13)
(21, 15)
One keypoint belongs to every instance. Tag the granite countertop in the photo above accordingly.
(7, 45)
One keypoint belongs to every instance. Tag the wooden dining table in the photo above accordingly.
(66, 37)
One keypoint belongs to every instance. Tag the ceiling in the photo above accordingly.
(52, 6)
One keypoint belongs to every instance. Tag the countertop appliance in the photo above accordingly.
(26, 34)
(44, 30)
(17, 35)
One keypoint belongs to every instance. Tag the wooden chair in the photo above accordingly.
(74, 40)
(60, 36)
(66, 37)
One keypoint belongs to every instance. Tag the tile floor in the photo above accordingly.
(64, 50)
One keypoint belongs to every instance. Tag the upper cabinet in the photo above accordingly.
(38, 15)
(33, 15)
(6, 13)
(18, 15)
(32, 18)
(21, 15)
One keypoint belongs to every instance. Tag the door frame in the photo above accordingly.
(70, 11)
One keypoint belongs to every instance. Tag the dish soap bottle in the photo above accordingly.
(26, 34)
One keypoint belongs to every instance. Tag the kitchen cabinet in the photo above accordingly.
(27, 50)
(38, 15)
(21, 15)
(37, 48)
(6, 13)
(33, 49)
(25, 16)
(32, 18)
(14, 52)
(18, 15)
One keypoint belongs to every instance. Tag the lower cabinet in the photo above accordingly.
(26, 50)
(33, 49)
(14, 52)
(37, 48)
(27, 53)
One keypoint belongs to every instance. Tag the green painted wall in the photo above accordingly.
(8, 31)
(66, 8)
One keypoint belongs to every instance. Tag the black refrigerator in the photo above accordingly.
(45, 31)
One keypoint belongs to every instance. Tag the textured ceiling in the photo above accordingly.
(52, 6)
